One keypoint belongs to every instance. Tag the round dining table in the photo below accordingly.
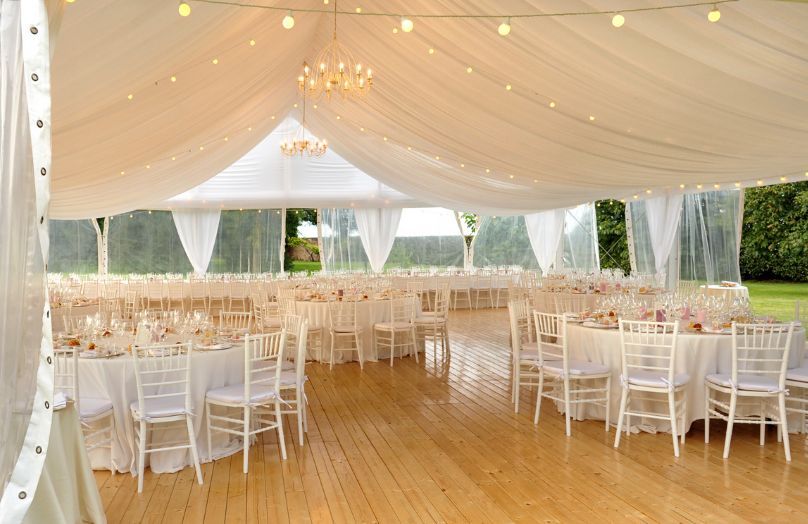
(114, 379)
(697, 354)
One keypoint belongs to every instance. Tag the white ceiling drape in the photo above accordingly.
(674, 100)
(197, 230)
(377, 231)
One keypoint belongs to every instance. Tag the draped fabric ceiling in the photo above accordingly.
(675, 99)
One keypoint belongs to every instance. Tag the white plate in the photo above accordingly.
(214, 347)
(599, 326)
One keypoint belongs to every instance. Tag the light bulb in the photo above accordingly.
(173, 78)
(508, 87)
(714, 15)
(184, 9)
(431, 51)
(504, 28)
(406, 25)
(252, 42)
(618, 20)
(288, 21)
(469, 69)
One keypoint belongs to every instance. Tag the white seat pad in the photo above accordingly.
(93, 407)
(656, 379)
(798, 374)
(159, 407)
(235, 394)
(344, 329)
(577, 368)
(747, 382)
(429, 320)
(287, 366)
(392, 325)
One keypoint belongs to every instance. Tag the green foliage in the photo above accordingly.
(305, 265)
(774, 244)
(294, 218)
(612, 240)
(312, 251)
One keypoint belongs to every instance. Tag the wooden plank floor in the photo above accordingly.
(438, 441)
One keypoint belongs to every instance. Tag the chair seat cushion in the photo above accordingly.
(272, 322)
(289, 378)
(286, 365)
(430, 320)
(392, 325)
(656, 379)
(346, 329)
(93, 407)
(746, 382)
(798, 374)
(159, 407)
(234, 394)
(577, 368)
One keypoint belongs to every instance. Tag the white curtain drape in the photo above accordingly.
(545, 230)
(663, 215)
(197, 229)
(377, 230)
(26, 350)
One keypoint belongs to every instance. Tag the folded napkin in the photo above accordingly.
(59, 400)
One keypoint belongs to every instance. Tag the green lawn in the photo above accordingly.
(777, 298)
(303, 265)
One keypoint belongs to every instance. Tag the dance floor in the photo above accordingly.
(438, 441)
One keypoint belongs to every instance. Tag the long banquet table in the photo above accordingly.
(698, 355)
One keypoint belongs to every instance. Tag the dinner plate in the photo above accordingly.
(596, 325)
(214, 347)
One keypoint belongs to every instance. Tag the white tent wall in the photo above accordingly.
(73, 247)
(503, 241)
(26, 348)
(706, 243)
(342, 247)
(672, 98)
(427, 237)
(579, 243)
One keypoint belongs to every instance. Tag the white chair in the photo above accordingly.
(648, 352)
(435, 324)
(797, 401)
(399, 331)
(524, 351)
(461, 288)
(216, 296)
(758, 374)
(235, 321)
(292, 383)
(483, 288)
(96, 414)
(554, 363)
(163, 377)
(198, 296)
(343, 327)
(176, 296)
(239, 295)
(257, 399)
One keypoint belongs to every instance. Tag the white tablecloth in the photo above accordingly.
(728, 293)
(115, 379)
(698, 355)
(73, 311)
(67, 491)
(544, 301)
(368, 313)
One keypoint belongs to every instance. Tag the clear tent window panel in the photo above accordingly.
(146, 242)
(503, 241)
(248, 242)
(579, 244)
(427, 237)
(342, 247)
(709, 236)
(73, 247)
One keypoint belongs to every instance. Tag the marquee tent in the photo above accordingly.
(667, 100)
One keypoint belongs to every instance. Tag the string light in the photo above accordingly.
(252, 42)
(618, 20)
(359, 10)
(130, 96)
(552, 104)
(717, 186)
(648, 191)
(431, 51)
(737, 184)
(469, 69)
(714, 15)
(698, 186)
(406, 24)
(783, 179)
(288, 21)
(504, 28)
(173, 78)
(591, 118)
(681, 186)
(508, 87)
(215, 61)
(395, 30)
(760, 182)
(184, 9)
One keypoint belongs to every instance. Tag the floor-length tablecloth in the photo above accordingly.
(368, 313)
(67, 492)
(115, 379)
(698, 355)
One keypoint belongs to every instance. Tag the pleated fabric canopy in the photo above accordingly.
(148, 104)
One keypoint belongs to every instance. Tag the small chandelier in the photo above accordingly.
(300, 143)
(335, 71)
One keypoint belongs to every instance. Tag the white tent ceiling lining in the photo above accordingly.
(265, 178)
(676, 100)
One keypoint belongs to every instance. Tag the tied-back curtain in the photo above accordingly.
(342, 248)
(377, 230)
(197, 231)
(545, 230)
(26, 388)
(710, 235)
(503, 241)
(662, 214)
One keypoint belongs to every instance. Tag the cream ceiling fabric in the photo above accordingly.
(675, 100)
(265, 178)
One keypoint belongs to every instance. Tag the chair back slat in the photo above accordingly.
(170, 364)
(263, 359)
(551, 337)
(761, 350)
(649, 346)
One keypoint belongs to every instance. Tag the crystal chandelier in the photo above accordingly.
(300, 143)
(335, 71)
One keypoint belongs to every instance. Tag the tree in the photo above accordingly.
(612, 240)
(294, 218)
